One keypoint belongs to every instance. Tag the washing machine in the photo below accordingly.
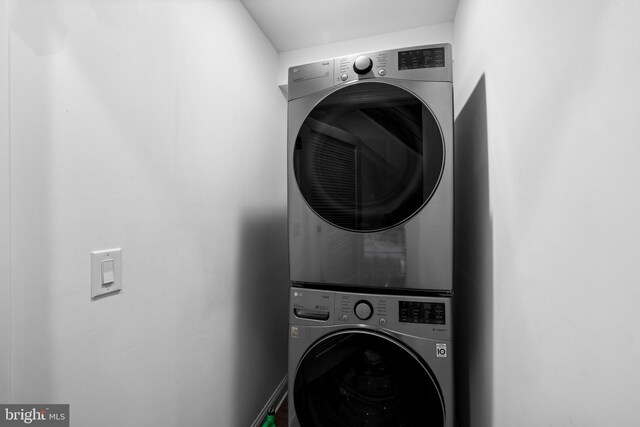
(359, 360)
(370, 171)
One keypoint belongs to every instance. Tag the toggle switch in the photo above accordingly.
(106, 272)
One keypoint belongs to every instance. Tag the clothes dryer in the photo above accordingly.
(370, 171)
(369, 360)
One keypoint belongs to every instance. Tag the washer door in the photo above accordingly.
(368, 156)
(362, 378)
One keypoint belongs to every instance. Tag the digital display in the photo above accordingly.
(432, 313)
(421, 58)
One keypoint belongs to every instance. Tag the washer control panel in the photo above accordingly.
(420, 315)
(432, 313)
(359, 308)
(363, 310)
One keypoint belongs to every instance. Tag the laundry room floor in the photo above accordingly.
(282, 414)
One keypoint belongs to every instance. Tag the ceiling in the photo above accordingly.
(296, 24)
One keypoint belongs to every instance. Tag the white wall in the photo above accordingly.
(138, 125)
(559, 82)
(441, 33)
(5, 232)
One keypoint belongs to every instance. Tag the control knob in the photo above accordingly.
(363, 310)
(363, 64)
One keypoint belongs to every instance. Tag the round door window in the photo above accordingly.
(359, 378)
(368, 156)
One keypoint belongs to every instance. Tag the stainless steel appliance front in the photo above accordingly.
(370, 170)
(369, 359)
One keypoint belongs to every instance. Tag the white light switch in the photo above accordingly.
(106, 272)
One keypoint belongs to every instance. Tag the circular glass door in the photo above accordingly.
(364, 379)
(368, 156)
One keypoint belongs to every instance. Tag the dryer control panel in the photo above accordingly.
(422, 63)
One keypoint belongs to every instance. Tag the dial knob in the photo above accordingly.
(363, 310)
(363, 64)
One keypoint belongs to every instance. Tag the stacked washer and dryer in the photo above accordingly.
(370, 213)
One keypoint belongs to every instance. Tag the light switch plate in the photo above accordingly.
(109, 281)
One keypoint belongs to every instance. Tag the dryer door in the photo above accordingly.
(368, 156)
(363, 378)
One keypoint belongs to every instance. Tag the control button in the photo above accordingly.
(344, 318)
(363, 310)
(382, 72)
(383, 321)
(344, 77)
(363, 64)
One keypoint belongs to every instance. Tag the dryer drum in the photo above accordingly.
(367, 380)
(368, 157)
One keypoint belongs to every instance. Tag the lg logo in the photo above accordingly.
(441, 350)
